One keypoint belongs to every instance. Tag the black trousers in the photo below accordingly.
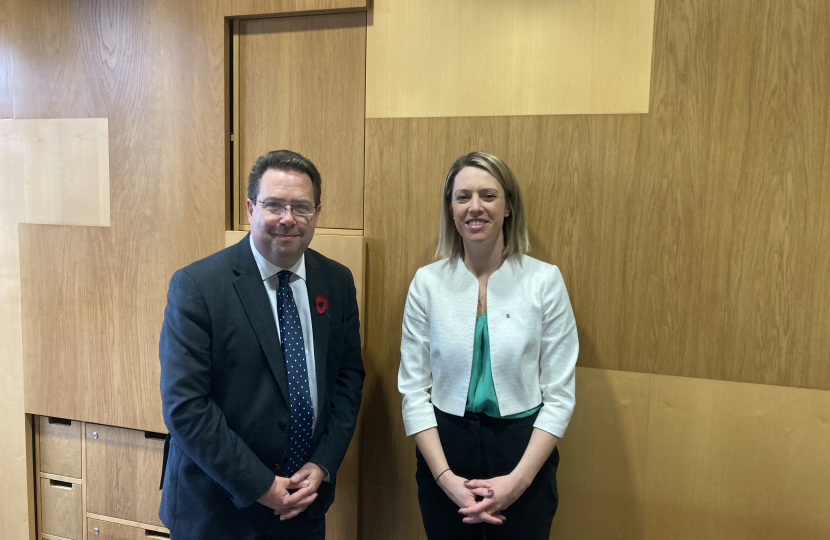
(478, 446)
(296, 528)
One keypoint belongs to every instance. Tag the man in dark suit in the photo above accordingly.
(261, 372)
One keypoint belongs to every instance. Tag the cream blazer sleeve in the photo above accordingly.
(415, 372)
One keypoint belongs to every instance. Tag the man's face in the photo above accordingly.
(282, 238)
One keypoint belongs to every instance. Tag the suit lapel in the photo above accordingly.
(317, 285)
(254, 298)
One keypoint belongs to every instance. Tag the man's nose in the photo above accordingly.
(287, 217)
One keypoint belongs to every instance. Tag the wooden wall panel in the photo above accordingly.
(302, 87)
(732, 460)
(140, 65)
(123, 469)
(259, 8)
(6, 94)
(694, 240)
(472, 58)
(603, 457)
(53, 171)
(688, 248)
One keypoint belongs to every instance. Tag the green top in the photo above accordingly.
(481, 396)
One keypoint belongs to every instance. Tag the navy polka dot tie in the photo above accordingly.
(299, 396)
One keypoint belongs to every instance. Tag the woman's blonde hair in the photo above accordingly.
(516, 238)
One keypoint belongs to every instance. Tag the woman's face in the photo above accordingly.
(478, 205)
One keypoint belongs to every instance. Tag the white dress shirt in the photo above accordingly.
(533, 342)
(298, 287)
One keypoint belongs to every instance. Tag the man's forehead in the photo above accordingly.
(291, 182)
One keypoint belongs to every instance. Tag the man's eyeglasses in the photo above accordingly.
(278, 208)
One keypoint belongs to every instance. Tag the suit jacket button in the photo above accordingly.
(283, 425)
(277, 469)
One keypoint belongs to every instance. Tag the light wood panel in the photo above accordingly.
(100, 529)
(473, 58)
(260, 8)
(52, 171)
(123, 471)
(302, 87)
(156, 71)
(63, 167)
(602, 469)
(60, 447)
(730, 460)
(62, 509)
(6, 95)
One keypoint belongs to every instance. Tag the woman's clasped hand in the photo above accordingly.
(473, 501)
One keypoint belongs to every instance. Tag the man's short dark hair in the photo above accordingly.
(284, 160)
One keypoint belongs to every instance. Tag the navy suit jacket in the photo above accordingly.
(225, 394)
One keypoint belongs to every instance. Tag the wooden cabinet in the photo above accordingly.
(61, 507)
(123, 472)
(97, 481)
(60, 446)
(107, 530)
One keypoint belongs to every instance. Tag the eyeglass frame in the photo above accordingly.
(284, 208)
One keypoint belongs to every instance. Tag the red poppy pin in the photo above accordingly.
(322, 304)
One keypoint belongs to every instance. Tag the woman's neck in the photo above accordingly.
(484, 259)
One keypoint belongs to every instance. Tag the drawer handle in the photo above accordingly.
(155, 534)
(62, 421)
(60, 484)
(154, 435)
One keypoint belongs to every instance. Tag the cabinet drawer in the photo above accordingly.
(60, 446)
(123, 468)
(104, 530)
(62, 510)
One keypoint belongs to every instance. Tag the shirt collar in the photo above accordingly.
(267, 270)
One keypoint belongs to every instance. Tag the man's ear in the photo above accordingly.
(250, 207)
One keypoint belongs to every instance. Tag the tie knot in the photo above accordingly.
(285, 277)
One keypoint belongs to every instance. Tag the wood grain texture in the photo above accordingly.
(603, 457)
(302, 87)
(694, 240)
(52, 171)
(32, 441)
(62, 509)
(264, 8)
(60, 448)
(690, 244)
(123, 470)
(6, 94)
(63, 168)
(108, 530)
(732, 460)
(156, 71)
(473, 58)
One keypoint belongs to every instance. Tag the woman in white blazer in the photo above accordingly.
(488, 352)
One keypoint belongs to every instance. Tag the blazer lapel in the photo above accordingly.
(257, 307)
(317, 285)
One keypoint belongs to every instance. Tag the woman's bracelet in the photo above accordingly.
(439, 476)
